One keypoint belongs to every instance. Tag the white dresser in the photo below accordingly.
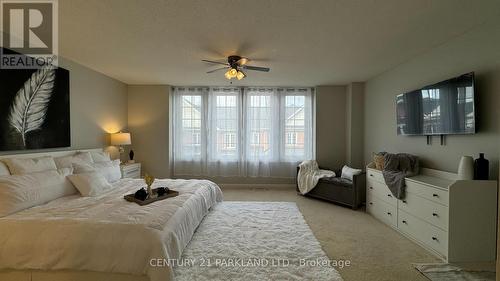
(131, 170)
(454, 219)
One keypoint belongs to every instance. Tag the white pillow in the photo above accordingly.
(4, 171)
(90, 184)
(349, 173)
(79, 158)
(19, 192)
(100, 156)
(21, 166)
(110, 170)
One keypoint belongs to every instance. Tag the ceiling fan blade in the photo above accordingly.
(257, 68)
(216, 62)
(217, 69)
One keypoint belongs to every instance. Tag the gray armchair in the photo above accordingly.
(341, 191)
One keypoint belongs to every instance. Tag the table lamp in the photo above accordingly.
(120, 139)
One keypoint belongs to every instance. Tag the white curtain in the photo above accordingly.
(251, 131)
(189, 137)
(224, 132)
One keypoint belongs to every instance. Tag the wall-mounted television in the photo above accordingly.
(443, 108)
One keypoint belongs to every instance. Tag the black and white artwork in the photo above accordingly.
(34, 108)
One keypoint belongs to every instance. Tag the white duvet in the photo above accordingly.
(107, 233)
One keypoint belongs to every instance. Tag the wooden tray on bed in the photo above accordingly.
(154, 198)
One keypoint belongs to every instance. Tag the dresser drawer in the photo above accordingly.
(381, 191)
(425, 209)
(434, 194)
(381, 210)
(427, 234)
(375, 175)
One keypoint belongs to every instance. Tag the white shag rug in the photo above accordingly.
(255, 241)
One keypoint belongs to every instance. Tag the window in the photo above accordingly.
(255, 138)
(226, 123)
(291, 139)
(229, 141)
(250, 131)
(295, 112)
(191, 125)
(259, 119)
(196, 139)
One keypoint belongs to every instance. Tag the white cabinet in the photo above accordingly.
(131, 170)
(454, 219)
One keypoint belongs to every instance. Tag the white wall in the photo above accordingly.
(331, 126)
(148, 122)
(355, 124)
(478, 51)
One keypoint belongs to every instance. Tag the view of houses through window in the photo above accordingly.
(241, 125)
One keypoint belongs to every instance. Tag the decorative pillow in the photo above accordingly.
(379, 160)
(4, 171)
(90, 184)
(100, 156)
(19, 192)
(349, 173)
(110, 170)
(81, 158)
(22, 166)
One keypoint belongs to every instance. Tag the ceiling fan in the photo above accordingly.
(235, 66)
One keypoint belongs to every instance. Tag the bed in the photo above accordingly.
(103, 237)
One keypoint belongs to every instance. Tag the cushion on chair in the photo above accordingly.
(337, 181)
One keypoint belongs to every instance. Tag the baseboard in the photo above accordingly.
(287, 186)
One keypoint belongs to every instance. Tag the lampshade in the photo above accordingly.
(240, 75)
(121, 139)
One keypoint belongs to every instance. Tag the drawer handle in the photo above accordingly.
(388, 195)
(371, 203)
(404, 222)
(435, 215)
(371, 187)
(404, 201)
(434, 238)
(435, 195)
(371, 175)
(389, 213)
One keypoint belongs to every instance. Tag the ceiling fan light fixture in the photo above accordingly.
(242, 61)
(228, 74)
(233, 72)
(240, 75)
(235, 65)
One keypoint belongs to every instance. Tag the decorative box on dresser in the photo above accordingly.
(131, 170)
(454, 219)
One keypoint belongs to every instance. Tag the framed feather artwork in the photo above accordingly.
(34, 108)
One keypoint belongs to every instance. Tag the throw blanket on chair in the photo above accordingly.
(309, 175)
(396, 168)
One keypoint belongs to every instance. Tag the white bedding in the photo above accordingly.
(107, 233)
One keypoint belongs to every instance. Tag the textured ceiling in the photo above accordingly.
(304, 43)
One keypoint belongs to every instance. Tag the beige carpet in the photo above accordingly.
(376, 251)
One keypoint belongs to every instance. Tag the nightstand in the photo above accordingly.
(131, 170)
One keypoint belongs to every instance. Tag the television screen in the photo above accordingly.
(444, 108)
